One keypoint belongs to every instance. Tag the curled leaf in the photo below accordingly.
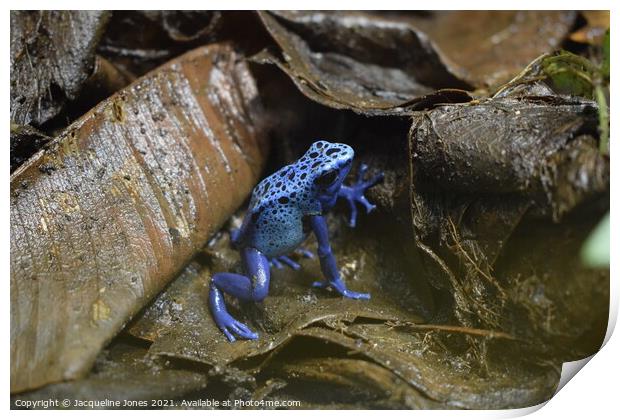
(358, 384)
(52, 55)
(487, 49)
(180, 325)
(448, 380)
(126, 376)
(382, 68)
(513, 145)
(163, 34)
(384, 64)
(480, 173)
(113, 208)
(570, 74)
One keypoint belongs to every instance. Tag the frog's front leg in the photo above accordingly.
(253, 287)
(328, 262)
(355, 193)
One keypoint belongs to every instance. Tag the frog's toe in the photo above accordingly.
(276, 263)
(282, 260)
(361, 172)
(353, 216)
(374, 180)
(338, 286)
(367, 204)
(231, 327)
(355, 295)
(286, 260)
(305, 253)
(223, 323)
(243, 331)
(229, 336)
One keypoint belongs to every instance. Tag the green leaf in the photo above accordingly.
(570, 73)
(605, 63)
(603, 119)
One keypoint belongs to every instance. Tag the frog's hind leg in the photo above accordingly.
(252, 288)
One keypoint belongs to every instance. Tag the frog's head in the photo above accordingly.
(328, 165)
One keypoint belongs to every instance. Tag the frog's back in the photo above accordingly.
(276, 211)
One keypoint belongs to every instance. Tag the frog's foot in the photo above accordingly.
(229, 326)
(253, 287)
(338, 286)
(355, 193)
(280, 261)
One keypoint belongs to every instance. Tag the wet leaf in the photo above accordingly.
(346, 383)
(185, 25)
(383, 68)
(513, 145)
(163, 35)
(381, 64)
(566, 74)
(52, 55)
(488, 49)
(482, 170)
(117, 204)
(444, 377)
(180, 325)
(124, 373)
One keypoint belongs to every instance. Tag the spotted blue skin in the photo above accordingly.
(285, 207)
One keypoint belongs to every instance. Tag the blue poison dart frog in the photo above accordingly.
(284, 208)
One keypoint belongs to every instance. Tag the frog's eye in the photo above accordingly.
(326, 179)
